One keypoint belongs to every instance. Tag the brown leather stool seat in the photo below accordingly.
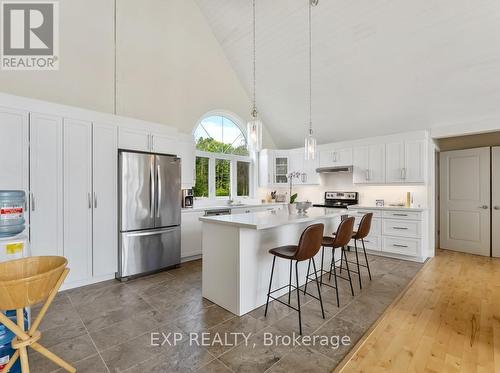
(285, 252)
(308, 247)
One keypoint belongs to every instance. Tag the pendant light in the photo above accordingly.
(254, 126)
(310, 140)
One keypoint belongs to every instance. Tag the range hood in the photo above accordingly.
(345, 169)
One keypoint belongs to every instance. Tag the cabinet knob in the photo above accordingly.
(497, 207)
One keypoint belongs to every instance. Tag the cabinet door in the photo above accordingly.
(326, 158)
(191, 233)
(265, 168)
(281, 169)
(360, 165)
(342, 157)
(415, 161)
(296, 164)
(165, 144)
(46, 185)
(14, 149)
(376, 161)
(187, 153)
(395, 162)
(133, 139)
(104, 222)
(77, 199)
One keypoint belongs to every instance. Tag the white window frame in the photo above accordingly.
(233, 170)
(233, 158)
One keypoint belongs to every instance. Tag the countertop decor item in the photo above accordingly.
(23, 283)
(302, 207)
(379, 202)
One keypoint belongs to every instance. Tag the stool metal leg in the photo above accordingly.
(347, 268)
(335, 278)
(357, 263)
(307, 276)
(366, 259)
(319, 290)
(298, 295)
(290, 283)
(270, 283)
(322, 260)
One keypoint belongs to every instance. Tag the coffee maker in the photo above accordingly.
(187, 198)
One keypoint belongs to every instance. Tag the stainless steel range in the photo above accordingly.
(339, 200)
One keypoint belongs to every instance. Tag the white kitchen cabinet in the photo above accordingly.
(369, 164)
(265, 167)
(405, 162)
(77, 147)
(104, 201)
(14, 149)
(164, 144)
(46, 185)
(296, 164)
(187, 154)
(191, 233)
(134, 139)
(310, 166)
(281, 167)
(335, 157)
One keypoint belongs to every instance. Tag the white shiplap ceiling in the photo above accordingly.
(379, 66)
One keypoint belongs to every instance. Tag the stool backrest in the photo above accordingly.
(310, 242)
(344, 232)
(364, 226)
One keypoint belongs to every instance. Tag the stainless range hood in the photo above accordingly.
(345, 169)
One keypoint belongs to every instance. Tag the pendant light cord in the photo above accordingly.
(254, 111)
(310, 67)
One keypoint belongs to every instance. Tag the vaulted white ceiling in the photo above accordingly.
(379, 66)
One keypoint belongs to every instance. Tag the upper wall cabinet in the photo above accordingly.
(335, 157)
(14, 149)
(369, 164)
(134, 139)
(405, 162)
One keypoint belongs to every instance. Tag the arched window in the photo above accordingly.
(223, 165)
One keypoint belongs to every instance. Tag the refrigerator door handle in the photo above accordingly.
(152, 190)
(158, 203)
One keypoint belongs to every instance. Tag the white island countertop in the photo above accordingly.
(268, 219)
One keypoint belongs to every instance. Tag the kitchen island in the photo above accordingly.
(236, 259)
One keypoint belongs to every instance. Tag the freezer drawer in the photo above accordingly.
(147, 251)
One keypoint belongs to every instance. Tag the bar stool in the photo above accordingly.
(339, 240)
(308, 247)
(360, 235)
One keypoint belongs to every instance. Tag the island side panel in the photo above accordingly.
(220, 265)
(256, 262)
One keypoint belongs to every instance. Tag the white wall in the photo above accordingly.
(170, 67)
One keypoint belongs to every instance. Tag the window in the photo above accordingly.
(223, 165)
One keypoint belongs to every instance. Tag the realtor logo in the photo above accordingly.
(30, 35)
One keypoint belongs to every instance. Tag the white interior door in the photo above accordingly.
(104, 222)
(495, 201)
(78, 199)
(465, 201)
(46, 185)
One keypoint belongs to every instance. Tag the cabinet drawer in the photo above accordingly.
(404, 215)
(402, 228)
(404, 246)
(371, 243)
(375, 229)
(360, 212)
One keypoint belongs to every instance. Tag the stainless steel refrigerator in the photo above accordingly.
(149, 213)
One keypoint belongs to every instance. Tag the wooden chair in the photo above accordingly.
(23, 283)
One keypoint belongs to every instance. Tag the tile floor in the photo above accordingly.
(107, 327)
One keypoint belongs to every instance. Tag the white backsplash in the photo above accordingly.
(343, 183)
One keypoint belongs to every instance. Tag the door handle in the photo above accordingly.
(367, 175)
(484, 207)
(397, 245)
(95, 200)
(400, 228)
(158, 203)
(32, 201)
(89, 200)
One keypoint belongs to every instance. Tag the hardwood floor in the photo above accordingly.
(448, 320)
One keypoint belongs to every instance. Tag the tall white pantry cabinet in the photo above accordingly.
(67, 165)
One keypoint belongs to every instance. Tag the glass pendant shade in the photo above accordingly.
(310, 146)
(254, 135)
